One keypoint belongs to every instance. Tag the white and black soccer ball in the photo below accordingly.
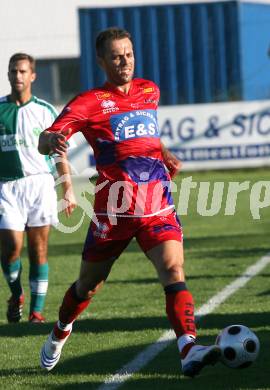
(239, 346)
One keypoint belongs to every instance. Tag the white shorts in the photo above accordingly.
(30, 201)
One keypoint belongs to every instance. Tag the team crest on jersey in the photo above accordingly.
(101, 230)
(103, 95)
(108, 106)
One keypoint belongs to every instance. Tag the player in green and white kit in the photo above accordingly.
(28, 202)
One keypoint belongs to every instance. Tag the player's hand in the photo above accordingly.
(174, 166)
(70, 202)
(57, 142)
(171, 161)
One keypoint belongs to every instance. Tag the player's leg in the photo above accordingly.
(76, 299)
(91, 278)
(102, 247)
(168, 260)
(12, 225)
(161, 239)
(41, 214)
(37, 245)
(99, 254)
(11, 245)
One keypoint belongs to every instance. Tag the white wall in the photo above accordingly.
(45, 28)
(49, 28)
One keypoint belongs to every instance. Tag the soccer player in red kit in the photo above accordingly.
(119, 121)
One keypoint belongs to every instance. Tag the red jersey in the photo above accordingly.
(123, 131)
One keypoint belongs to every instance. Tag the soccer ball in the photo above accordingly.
(239, 346)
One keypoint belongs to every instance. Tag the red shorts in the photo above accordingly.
(106, 241)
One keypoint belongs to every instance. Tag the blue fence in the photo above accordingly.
(254, 23)
(192, 51)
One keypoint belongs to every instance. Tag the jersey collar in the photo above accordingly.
(32, 98)
(110, 87)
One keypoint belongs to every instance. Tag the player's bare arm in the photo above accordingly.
(171, 161)
(63, 170)
(56, 143)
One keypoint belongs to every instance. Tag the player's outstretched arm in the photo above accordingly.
(171, 161)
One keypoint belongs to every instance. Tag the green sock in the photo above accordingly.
(38, 279)
(12, 273)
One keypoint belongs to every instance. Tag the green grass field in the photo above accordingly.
(128, 314)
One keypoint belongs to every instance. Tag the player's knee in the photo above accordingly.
(86, 289)
(37, 254)
(173, 273)
(10, 253)
(175, 269)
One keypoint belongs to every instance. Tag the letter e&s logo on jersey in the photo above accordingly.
(134, 124)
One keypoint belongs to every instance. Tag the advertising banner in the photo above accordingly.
(217, 136)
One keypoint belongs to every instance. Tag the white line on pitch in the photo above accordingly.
(143, 358)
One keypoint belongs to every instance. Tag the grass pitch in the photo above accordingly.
(128, 314)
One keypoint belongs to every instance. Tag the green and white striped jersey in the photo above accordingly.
(20, 127)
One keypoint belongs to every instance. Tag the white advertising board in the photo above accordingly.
(217, 136)
(206, 136)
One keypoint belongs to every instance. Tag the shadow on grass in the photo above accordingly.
(211, 321)
(220, 321)
(87, 325)
(213, 276)
(224, 253)
(213, 244)
(75, 249)
(226, 240)
(162, 373)
(267, 292)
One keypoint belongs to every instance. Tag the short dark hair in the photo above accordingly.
(23, 56)
(110, 34)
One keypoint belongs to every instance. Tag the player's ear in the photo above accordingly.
(33, 77)
(100, 62)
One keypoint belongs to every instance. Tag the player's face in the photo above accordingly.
(118, 62)
(21, 76)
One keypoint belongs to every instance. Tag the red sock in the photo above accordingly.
(72, 306)
(186, 350)
(180, 312)
(59, 333)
